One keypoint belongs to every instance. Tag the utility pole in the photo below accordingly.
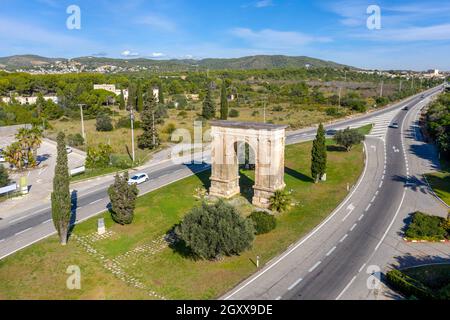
(381, 89)
(400, 86)
(340, 92)
(153, 129)
(82, 122)
(132, 132)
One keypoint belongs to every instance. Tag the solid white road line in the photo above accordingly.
(314, 266)
(96, 201)
(346, 287)
(312, 233)
(46, 221)
(292, 286)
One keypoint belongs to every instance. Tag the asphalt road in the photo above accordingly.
(323, 264)
(35, 224)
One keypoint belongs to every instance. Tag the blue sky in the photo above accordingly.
(414, 34)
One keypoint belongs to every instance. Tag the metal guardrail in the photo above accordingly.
(8, 189)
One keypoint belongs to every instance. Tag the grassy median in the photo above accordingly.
(39, 271)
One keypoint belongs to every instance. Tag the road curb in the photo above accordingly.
(425, 241)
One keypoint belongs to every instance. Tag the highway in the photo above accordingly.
(324, 264)
(31, 226)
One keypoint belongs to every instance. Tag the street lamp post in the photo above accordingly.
(132, 133)
(82, 122)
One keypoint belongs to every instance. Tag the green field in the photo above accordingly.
(139, 254)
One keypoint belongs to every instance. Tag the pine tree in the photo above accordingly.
(223, 102)
(319, 155)
(121, 101)
(149, 138)
(209, 109)
(61, 200)
(161, 94)
(123, 199)
(139, 98)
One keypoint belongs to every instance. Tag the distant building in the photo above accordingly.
(111, 88)
(192, 96)
(29, 100)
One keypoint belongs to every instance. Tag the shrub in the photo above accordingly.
(210, 231)
(348, 138)
(280, 201)
(255, 113)
(125, 122)
(277, 109)
(103, 123)
(182, 114)
(426, 227)
(233, 113)
(408, 286)
(4, 177)
(75, 140)
(98, 157)
(332, 112)
(169, 128)
(263, 222)
(123, 199)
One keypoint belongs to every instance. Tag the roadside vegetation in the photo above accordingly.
(146, 250)
(427, 227)
(431, 282)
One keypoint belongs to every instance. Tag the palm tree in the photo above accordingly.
(280, 201)
(30, 140)
(14, 154)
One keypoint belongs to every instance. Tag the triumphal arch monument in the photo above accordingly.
(266, 141)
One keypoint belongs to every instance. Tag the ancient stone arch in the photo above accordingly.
(267, 141)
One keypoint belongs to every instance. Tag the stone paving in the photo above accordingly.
(115, 266)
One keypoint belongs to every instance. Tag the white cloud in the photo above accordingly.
(430, 33)
(129, 53)
(263, 3)
(276, 39)
(157, 22)
(157, 55)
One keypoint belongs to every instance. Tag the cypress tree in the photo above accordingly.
(209, 109)
(121, 101)
(123, 199)
(131, 97)
(61, 200)
(139, 98)
(223, 102)
(319, 155)
(161, 94)
(149, 138)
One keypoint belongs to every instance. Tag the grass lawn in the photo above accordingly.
(440, 182)
(38, 272)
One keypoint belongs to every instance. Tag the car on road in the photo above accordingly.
(331, 132)
(394, 125)
(138, 178)
(69, 150)
(422, 96)
(406, 108)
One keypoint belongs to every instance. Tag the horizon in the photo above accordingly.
(410, 35)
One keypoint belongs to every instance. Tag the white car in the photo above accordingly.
(138, 178)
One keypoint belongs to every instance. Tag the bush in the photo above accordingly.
(332, 112)
(75, 140)
(233, 113)
(277, 109)
(210, 231)
(4, 177)
(348, 138)
(169, 128)
(263, 222)
(426, 227)
(103, 123)
(98, 157)
(280, 201)
(182, 114)
(125, 122)
(408, 286)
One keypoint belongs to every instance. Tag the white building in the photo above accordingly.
(29, 100)
(111, 88)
